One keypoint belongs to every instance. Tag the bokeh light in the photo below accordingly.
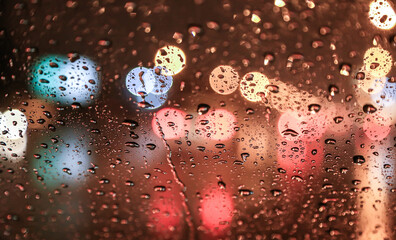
(13, 124)
(171, 58)
(218, 125)
(253, 86)
(302, 126)
(166, 216)
(382, 15)
(61, 159)
(13, 150)
(140, 80)
(387, 97)
(163, 82)
(60, 79)
(150, 101)
(378, 61)
(172, 122)
(368, 83)
(224, 79)
(217, 211)
(377, 126)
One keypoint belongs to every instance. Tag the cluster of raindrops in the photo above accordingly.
(150, 87)
(65, 80)
(217, 124)
(375, 92)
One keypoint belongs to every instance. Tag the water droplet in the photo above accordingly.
(338, 119)
(359, 159)
(203, 108)
(369, 109)
(245, 192)
(276, 192)
(314, 108)
(330, 141)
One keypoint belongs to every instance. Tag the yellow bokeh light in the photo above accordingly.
(253, 86)
(377, 61)
(279, 3)
(171, 58)
(255, 18)
(224, 79)
(382, 15)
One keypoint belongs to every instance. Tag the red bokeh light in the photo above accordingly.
(217, 211)
(376, 126)
(172, 122)
(305, 126)
(165, 218)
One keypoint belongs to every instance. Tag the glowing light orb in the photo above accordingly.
(57, 78)
(217, 211)
(216, 125)
(378, 61)
(302, 126)
(163, 82)
(140, 80)
(382, 15)
(166, 217)
(13, 124)
(13, 149)
(386, 97)
(172, 121)
(376, 126)
(253, 86)
(171, 58)
(65, 160)
(224, 80)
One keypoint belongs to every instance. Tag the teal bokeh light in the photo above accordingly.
(60, 79)
(62, 159)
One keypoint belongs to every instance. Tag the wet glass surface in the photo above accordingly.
(197, 119)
